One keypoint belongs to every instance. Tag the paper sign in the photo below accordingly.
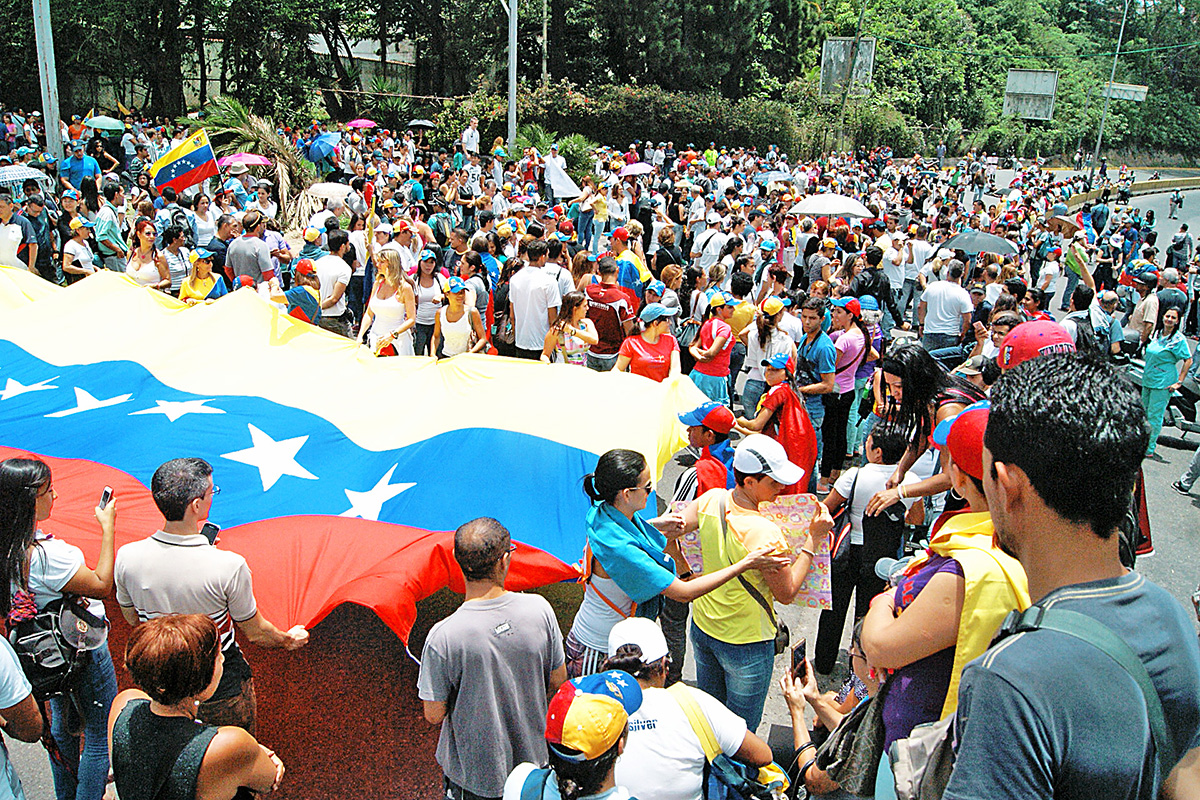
(689, 543)
(794, 513)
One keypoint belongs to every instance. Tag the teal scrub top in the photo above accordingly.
(1163, 355)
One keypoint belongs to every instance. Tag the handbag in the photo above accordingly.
(852, 752)
(782, 634)
(866, 403)
(724, 778)
(839, 535)
(923, 762)
(689, 329)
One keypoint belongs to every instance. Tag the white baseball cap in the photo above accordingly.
(643, 632)
(759, 454)
(713, 218)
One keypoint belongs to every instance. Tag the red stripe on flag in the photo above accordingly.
(191, 177)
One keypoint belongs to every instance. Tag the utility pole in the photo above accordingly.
(511, 7)
(545, 42)
(850, 75)
(44, 36)
(1107, 95)
(1086, 107)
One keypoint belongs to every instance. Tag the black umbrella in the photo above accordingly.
(974, 242)
(421, 123)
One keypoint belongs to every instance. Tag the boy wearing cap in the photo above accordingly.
(782, 416)
(708, 427)
(1040, 713)
(734, 626)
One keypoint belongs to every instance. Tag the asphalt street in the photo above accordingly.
(1175, 523)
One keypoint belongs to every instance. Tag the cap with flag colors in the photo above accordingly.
(185, 165)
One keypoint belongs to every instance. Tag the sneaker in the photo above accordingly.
(1178, 487)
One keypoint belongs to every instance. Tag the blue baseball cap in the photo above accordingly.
(658, 287)
(767, 244)
(427, 255)
(457, 285)
(778, 361)
(654, 311)
(868, 303)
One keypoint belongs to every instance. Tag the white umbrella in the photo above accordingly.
(329, 191)
(14, 176)
(637, 168)
(834, 205)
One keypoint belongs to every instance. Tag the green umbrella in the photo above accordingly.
(104, 123)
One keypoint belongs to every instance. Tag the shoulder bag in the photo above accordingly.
(724, 778)
(782, 635)
(839, 535)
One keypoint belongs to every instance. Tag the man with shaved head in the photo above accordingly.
(479, 669)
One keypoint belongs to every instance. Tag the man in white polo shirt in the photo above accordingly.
(178, 571)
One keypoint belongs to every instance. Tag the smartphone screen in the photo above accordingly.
(105, 496)
(210, 532)
(799, 654)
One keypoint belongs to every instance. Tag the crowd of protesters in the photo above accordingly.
(927, 393)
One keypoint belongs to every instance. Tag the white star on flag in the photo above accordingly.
(13, 388)
(84, 401)
(369, 504)
(174, 409)
(272, 459)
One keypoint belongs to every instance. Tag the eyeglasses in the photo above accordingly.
(216, 490)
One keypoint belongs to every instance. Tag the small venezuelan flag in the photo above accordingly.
(185, 165)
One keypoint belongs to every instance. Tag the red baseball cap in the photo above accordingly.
(962, 435)
(305, 266)
(1032, 339)
(712, 415)
(622, 234)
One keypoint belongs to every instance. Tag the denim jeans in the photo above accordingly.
(737, 359)
(1068, 290)
(422, 339)
(752, 393)
(601, 363)
(737, 675)
(585, 228)
(97, 688)
(1188, 479)
(815, 405)
(939, 341)
(853, 430)
(908, 294)
(949, 357)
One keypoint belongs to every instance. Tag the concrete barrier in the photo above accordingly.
(1138, 188)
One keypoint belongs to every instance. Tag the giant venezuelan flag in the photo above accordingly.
(340, 474)
(185, 165)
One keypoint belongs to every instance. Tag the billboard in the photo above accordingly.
(1029, 93)
(1125, 91)
(836, 55)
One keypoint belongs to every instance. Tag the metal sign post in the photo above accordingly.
(44, 36)
(1108, 95)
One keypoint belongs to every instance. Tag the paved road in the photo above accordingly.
(1175, 523)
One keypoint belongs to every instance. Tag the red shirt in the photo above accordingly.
(651, 361)
(710, 331)
(608, 309)
(792, 428)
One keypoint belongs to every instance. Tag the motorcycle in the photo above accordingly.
(1183, 409)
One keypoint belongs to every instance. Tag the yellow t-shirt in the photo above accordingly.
(743, 317)
(198, 289)
(728, 613)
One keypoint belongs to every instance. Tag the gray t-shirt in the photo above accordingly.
(249, 255)
(491, 661)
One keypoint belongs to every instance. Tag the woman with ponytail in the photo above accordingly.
(764, 340)
(41, 569)
(586, 731)
(625, 564)
(852, 340)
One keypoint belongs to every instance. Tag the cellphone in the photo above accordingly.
(799, 663)
(105, 497)
(210, 531)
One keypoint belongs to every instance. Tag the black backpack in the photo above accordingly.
(179, 218)
(51, 663)
(1085, 336)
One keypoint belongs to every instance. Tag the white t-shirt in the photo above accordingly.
(81, 255)
(532, 293)
(1048, 276)
(893, 271)
(922, 251)
(945, 303)
(333, 270)
(561, 276)
(791, 325)
(663, 758)
(14, 687)
(51, 566)
(872, 478)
